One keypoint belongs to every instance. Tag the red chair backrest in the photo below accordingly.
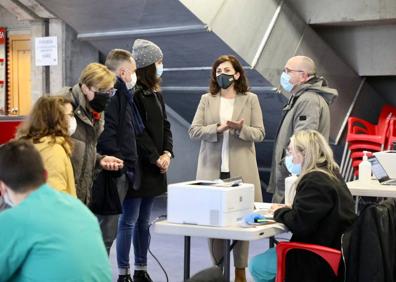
(386, 109)
(331, 256)
(8, 129)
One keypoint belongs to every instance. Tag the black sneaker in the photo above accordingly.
(124, 278)
(141, 276)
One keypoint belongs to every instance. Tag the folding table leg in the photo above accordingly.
(187, 249)
(227, 259)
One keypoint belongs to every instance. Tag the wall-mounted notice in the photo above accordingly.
(46, 51)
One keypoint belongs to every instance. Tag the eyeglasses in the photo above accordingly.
(287, 70)
(110, 92)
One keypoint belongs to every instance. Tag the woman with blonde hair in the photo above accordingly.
(89, 99)
(322, 210)
(49, 126)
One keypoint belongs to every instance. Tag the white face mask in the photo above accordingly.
(133, 81)
(160, 69)
(8, 201)
(72, 125)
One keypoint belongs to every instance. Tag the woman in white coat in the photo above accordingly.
(228, 122)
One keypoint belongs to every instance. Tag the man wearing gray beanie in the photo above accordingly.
(145, 53)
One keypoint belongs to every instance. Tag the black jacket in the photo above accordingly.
(369, 247)
(155, 139)
(118, 137)
(322, 210)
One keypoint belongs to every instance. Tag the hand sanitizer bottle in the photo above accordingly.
(365, 168)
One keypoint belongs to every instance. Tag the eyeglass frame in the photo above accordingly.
(111, 92)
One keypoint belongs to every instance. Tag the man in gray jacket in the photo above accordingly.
(307, 108)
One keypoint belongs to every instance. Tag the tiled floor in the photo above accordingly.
(169, 251)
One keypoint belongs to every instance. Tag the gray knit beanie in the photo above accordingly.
(145, 53)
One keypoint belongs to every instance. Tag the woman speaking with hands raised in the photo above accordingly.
(228, 122)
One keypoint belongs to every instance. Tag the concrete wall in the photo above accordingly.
(12, 23)
(77, 54)
(368, 49)
(290, 36)
(386, 86)
(32, 28)
(73, 54)
(341, 12)
(184, 165)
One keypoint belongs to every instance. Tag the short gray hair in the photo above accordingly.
(116, 57)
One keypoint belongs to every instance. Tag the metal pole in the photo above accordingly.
(47, 68)
(187, 248)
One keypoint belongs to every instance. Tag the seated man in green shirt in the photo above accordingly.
(46, 235)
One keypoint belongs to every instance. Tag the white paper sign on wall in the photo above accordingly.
(46, 49)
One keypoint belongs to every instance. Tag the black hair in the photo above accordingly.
(21, 166)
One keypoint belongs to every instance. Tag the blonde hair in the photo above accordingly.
(98, 76)
(47, 118)
(317, 153)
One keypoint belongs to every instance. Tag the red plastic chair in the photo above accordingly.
(391, 134)
(8, 129)
(331, 256)
(362, 132)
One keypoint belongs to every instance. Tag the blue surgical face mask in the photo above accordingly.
(292, 167)
(160, 69)
(285, 82)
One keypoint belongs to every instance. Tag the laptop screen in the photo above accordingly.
(378, 170)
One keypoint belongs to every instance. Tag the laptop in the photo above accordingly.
(380, 173)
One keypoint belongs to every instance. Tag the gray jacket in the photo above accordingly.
(307, 108)
(84, 155)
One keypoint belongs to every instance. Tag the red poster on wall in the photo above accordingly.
(2, 35)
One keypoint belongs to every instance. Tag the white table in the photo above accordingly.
(371, 188)
(226, 233)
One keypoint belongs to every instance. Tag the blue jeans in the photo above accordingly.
(135, 218)
(263, 266)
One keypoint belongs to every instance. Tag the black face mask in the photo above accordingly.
(225, 80)
(99, 102)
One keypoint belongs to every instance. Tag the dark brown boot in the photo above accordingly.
(240, 275)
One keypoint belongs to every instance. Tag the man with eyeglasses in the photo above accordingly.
(122, 124)
(307, 108)
(89, 99)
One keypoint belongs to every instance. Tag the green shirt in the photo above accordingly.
(51, 236)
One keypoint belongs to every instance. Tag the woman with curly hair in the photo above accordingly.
(48, 127)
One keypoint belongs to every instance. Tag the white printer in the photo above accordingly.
(388, 160)
(207, 203)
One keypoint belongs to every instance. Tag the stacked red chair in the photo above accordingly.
(365, 136)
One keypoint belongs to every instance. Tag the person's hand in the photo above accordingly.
(111, 163)
(221, 128)
(163, 163)
(165, 160)
(252, 218)
(275, 207)
(235, 124)
(159, 162)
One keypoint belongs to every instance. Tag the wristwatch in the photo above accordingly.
(168, 154)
